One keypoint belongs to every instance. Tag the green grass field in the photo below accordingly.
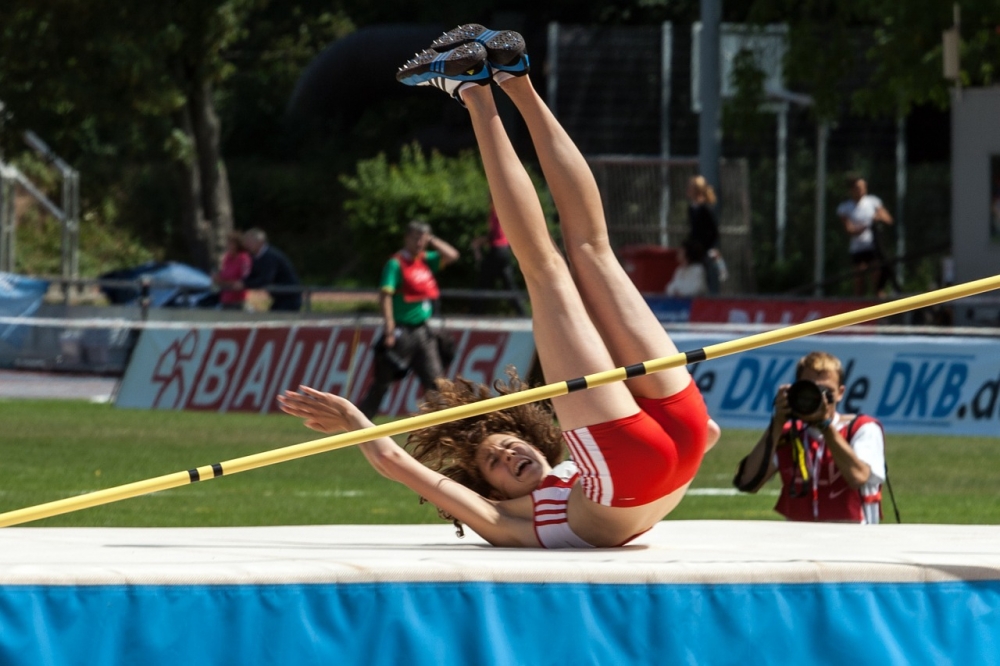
(53, 449)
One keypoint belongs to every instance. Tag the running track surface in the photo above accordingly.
(18, 384)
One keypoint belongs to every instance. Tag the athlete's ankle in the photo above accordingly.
(500, 78)
(470, 91)
(508, 81)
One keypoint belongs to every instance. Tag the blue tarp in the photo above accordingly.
(173, 284)
(19, 297)
(455, 623)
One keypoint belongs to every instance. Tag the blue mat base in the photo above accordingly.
(444, 624)
(688, 593)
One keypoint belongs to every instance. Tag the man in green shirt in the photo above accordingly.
(408, 292)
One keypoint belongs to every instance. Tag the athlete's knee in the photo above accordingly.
(592, 258)
(592, 247)
(593, 264)
(545, 267)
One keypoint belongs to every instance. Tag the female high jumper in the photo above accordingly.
(634, 446)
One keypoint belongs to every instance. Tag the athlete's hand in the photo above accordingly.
(323, 412)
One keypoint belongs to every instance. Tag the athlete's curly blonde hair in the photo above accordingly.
(450, 448)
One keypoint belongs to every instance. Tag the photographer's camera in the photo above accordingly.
(806, 397)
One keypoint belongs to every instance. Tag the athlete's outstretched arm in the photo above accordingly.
(329, 414)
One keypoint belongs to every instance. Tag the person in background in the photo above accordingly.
(704, 228)
(408, 292)
(234, 267)
(271, 268)
(860, 214)
(689, 277)
(495, 264)
(832, 465)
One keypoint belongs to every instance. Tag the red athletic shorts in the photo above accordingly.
(641, 458)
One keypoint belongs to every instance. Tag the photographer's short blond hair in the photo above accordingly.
(819, 361)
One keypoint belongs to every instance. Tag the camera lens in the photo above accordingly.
(805, 397)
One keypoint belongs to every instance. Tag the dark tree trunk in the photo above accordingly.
(206, 204)
(195, 228)
(216, 201)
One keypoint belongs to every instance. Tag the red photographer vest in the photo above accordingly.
(827, 493)
(418, 283)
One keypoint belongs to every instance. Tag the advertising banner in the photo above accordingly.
(243, 369)
(747, 310)
(670, 310)
(912, 384)
(769, 311)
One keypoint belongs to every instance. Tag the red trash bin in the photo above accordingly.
(649, 266)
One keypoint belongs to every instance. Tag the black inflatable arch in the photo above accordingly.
(357, 71)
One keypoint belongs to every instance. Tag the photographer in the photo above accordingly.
(407, 297)
(831, 465)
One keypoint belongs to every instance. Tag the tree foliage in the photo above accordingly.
(449, 193)
(132, 92)
(281, 40)
(128, 80)
(897, 44)
(741, 115)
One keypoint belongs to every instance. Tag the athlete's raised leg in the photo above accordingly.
(629, 329)
(568, 343)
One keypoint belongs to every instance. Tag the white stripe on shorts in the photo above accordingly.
(595, 476)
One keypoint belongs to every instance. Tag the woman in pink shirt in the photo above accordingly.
(233, 267)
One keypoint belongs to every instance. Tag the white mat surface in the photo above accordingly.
(673, 552)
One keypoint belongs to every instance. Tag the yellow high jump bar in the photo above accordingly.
(546, 392)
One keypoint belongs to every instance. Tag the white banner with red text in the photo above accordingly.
(243, 369)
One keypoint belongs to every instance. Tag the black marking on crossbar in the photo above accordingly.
(577, 384)
(695, 356)
(194, 475)
(217, 469)
(636, 370)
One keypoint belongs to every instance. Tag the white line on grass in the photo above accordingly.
(726, 492)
